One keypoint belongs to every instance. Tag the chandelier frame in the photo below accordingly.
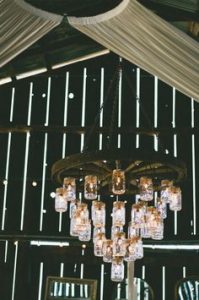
(135, 163)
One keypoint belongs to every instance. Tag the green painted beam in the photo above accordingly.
(174, 10)
(186, 5)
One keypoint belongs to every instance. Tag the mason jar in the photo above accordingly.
(118, 182)
(117, 269)
(90, 187)
(61, 203)
(70, 188)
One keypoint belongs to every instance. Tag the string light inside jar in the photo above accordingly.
(118, 182)
(90, 187)
(69, 186)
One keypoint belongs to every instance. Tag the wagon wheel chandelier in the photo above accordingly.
(134, 163)
(153, 177)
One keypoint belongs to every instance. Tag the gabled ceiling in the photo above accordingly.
(65, 44)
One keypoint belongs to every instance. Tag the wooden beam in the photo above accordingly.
(105, 130)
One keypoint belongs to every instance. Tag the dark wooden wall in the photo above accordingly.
(41, 121)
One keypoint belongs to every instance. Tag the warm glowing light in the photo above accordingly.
(70, 188)
(146, 220)
(90, 187)
(146, 189)
(118, 182)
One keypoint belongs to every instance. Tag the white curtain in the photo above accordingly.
(20, 26)
(138, 35)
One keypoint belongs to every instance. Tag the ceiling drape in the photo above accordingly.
(143, 38)
(20, 26)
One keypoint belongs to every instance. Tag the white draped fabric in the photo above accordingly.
(20, 26)
(138, 35)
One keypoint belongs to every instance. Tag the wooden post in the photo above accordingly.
(130, 274)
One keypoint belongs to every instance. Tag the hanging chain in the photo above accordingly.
(143, 111)
(114, 108)
(96, 120)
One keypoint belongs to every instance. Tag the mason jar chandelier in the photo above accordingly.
(88, 217)
(122, 173)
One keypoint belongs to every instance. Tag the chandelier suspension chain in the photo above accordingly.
(116, 77)
(114, 107)
(89, 134)
(146, 116)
